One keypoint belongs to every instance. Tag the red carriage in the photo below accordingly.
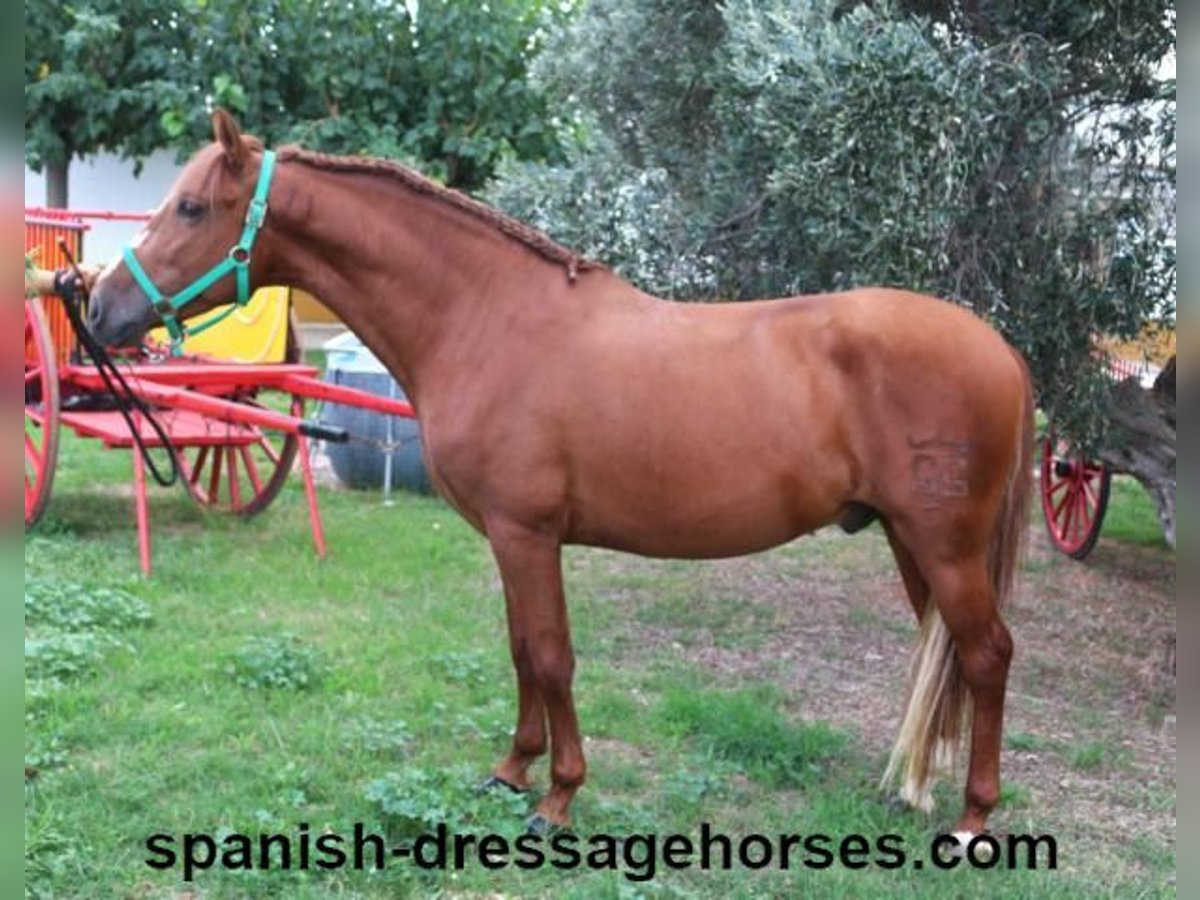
(237, 430)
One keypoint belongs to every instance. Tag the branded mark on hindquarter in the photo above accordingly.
(939, 468)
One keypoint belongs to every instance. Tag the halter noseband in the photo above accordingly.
(237, 261)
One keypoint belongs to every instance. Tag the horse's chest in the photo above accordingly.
(490, 466)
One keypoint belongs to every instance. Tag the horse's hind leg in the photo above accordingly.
(963, 658)
(529, 738)
(915, 584)
(963, 592)
(964, 596)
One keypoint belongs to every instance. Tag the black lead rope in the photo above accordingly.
(71, 287)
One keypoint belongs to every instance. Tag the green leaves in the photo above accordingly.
(282, 662)
(447, 89)
(229, 94)
(70, 628)
(173, 123)
(1009, 157)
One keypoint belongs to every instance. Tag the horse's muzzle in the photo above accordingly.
(118, 318)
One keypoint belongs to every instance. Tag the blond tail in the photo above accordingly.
(935, 718)
(938, 714)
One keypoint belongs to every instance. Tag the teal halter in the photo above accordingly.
(237, 262)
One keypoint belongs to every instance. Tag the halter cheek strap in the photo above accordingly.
(237, 261)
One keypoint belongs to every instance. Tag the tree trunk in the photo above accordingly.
(56, 184)
(1144, 440)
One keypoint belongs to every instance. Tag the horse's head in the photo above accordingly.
(200, 228)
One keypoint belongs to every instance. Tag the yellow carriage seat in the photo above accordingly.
(256, 334)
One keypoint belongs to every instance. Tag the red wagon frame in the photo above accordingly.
(234, 453)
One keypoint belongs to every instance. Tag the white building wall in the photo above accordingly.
(105, 182)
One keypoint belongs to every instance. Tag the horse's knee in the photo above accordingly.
(530, 739)
(553, 668)
(986, 659)
(522, 659)
(568, 773)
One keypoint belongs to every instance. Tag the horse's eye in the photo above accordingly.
(189, 209)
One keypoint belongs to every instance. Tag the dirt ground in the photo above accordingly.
(1090, 727)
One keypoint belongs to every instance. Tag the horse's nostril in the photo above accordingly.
(95, 319)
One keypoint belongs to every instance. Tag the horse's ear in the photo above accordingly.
(226, 133)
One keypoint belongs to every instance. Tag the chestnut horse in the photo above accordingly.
(561, 405)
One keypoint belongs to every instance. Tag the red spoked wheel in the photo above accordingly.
(41, 412)
(245, 474)
(241, 476)
(1074, 497)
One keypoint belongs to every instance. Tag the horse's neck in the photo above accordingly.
(413, 278)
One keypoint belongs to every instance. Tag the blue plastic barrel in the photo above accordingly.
(358, 464)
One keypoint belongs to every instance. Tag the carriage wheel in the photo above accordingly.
(41, 412)
(241, 478)
(1074, 498)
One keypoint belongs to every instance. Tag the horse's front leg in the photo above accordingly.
(529, 739)
(531, 567)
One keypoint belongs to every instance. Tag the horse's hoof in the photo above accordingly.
(494, 781)
(541, 826)
(897, 805)
(981, 852)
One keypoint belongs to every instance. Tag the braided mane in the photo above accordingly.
(507, 225)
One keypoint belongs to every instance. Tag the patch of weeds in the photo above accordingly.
(38, 691)
(607, 710)
(51, 526)
(1159, 702)
(290, 801)
(1015, 796)
(62, 655)
(1030, 743)
(69, 628)
(1150, 797)
(416, 800)
(73, 607)
(460, 667)
(1151, 854)
(49, 852)
(378, 736)
(697, 779)
(487, 724)
(616, 817)
(862, 617)
(44, 752)
(623, 776)
(692, 612)
(746, 728)
(295, 786)
(1097, 755)
(276, 661)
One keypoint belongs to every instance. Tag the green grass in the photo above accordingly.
(249, 687)
(1132, 516)
(1097, 756)
(1029, 743)
(747, 728)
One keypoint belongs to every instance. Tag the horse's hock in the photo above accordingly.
(361, 464)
